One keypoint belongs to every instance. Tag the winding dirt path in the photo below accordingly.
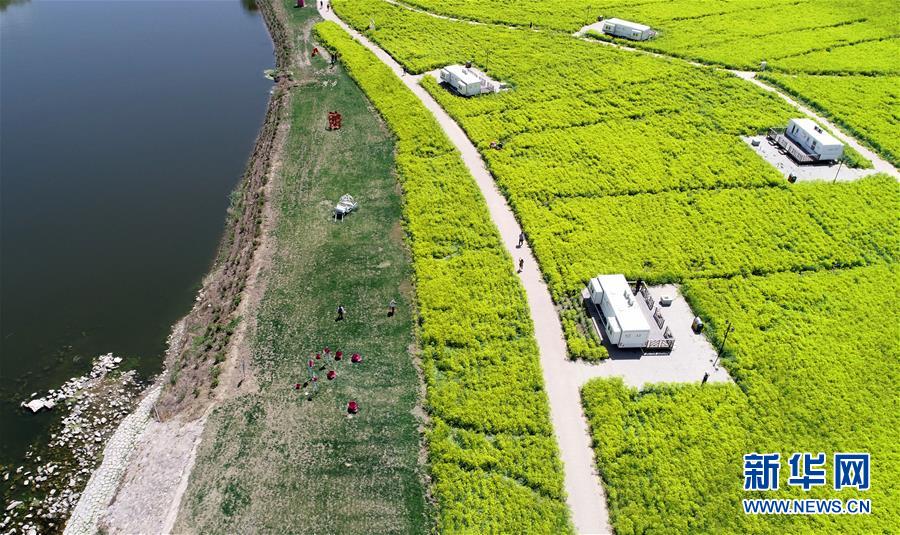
(563, 378)
(880, 164)
(586, 497)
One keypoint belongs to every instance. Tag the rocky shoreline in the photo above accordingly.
(48, 484)
(69, 488)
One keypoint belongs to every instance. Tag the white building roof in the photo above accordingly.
(628, 23)
(822, 138)
(464, 74)
(629, 316)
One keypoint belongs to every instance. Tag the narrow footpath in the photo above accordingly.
(563, 378)
(880, 164)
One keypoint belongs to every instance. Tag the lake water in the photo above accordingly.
(124, 125)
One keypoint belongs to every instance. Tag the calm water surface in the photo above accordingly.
(123, 127)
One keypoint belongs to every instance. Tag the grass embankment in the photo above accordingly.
(493, 456)
(195, 361)
(273, 461)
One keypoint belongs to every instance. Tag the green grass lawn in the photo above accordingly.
(274, 461)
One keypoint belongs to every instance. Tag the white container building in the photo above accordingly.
(819, 144)
(462, 80)
(624, 322)
(627, 29)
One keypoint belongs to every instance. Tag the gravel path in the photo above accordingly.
(585, 494)
(563, 378)
(880, 164)
(104, 481)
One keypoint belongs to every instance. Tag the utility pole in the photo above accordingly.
(728, 329)
(840, 163)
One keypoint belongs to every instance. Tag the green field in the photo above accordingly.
(617, 161)
(858, 41)
(606, 139)
(273, 461)
(492, 455)
(866, 106)
(807, 36)
(811, 375)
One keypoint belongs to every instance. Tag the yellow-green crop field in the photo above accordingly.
(812, 375)
(858, 41)
(828, 36)
(866, 106)
(621, 161)
(492, 455)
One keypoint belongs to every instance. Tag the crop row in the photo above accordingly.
(865, 57)
(492, 455)
(865, 106)
(574, 126)
(811, 375)
(673, 236)
(735, 33)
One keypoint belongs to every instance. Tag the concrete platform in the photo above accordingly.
(806, 172)
(692, 356)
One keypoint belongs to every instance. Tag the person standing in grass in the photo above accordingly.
(340, 312)
(392, 308)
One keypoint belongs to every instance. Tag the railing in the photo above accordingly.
(657, 315)
(786, 144)
(647, 297)
(668, 344)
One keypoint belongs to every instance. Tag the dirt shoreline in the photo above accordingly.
(211, 360)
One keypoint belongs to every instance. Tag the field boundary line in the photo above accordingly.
(881, 165)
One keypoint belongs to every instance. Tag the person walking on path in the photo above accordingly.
(521, 240)
(392, 308)
(521, 265)
(340, 313)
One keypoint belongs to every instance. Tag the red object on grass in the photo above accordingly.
(352, 407)
(327, 350)
(297, 386)
(339, 355)
(331, 374)
(318, 356)
(356, 358)
(315, 378)
(310, 363)
(334, 120)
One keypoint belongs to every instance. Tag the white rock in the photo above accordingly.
(35, 405)
(13, 505)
